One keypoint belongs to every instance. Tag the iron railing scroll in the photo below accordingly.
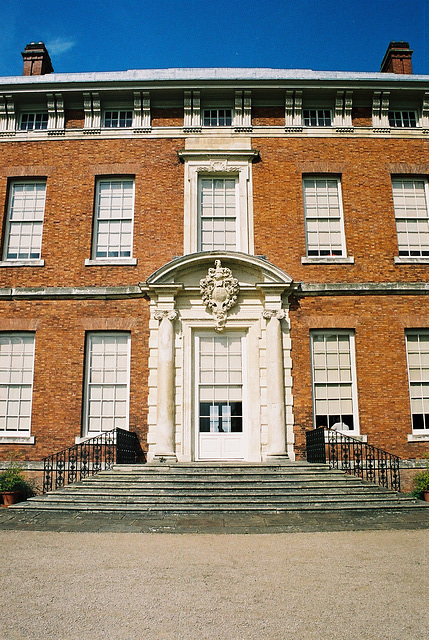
(353, 457)
(89, 457)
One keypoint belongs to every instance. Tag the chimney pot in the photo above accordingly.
(37, 61)
(397, 58)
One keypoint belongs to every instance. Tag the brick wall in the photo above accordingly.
(268, 116)
(71, 168)
(167, 117)
(365, 167)
(379, 324)
(59, 364)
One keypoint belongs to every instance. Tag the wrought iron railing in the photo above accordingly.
(90, 457)
(354, 457)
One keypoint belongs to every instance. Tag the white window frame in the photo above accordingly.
(403, 114)
(220, 114)
(12, 390)
(44, 120)
(405, 251)
(119, 111)
(206, 163)
(224, 218)
(330, 257)
(90, 337)
(352, 382)
(24, 218)
(111, 260)
(320, 114)
(422, 381)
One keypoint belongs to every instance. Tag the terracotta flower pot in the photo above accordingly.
(9, 498)
(426, 496)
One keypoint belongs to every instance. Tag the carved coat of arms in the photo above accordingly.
(219, 291)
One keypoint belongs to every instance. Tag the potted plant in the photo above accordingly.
(421, 482)
(13, 485)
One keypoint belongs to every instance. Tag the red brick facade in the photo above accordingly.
(364, 163)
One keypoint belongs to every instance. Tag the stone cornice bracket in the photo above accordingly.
(219, 291)
(280, 314)
(170, 314)
(7, 115)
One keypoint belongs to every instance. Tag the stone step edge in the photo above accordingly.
(226, 509)
(210, 490)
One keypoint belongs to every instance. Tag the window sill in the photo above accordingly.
(111, 262)
(17, 439)
(414, 437)
(328, 260)
(22, 263)
(411, 260)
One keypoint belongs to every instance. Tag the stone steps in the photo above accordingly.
(211, 499)
(265, 492)
(214, 488)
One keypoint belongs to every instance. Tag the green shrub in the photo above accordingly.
(13, 479)
(421, 480)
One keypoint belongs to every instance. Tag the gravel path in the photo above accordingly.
(366, 585)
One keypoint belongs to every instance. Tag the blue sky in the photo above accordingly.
(110, 35)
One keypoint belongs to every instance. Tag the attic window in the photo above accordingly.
(402, 119)
(118, 119)
(33, 121)
(217, 117)
(317, 118)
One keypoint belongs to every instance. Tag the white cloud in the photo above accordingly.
(59, 45)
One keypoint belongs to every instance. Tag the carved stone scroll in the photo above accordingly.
(169, 314)
(219, 291)
(269, 313)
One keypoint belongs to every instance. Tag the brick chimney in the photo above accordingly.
(397, 58)
(36, 60)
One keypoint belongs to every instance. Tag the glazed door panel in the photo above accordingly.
(219, 397)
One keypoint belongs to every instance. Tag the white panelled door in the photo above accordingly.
(219, 401)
